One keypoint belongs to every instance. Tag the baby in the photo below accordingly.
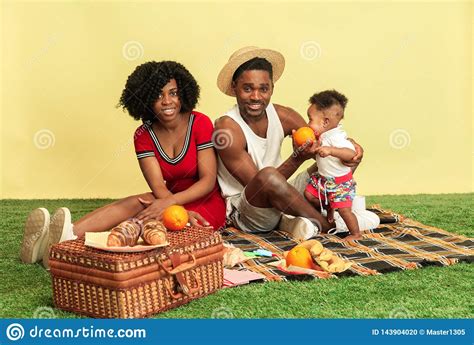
(333, 182)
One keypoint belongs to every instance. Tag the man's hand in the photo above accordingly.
(355, 161)
(305, 151)
(330, 214)
(153, 209)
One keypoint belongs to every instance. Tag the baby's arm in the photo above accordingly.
(343, 153)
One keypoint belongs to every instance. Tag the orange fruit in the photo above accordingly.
(175, 217)
(299, 256)
(302, 135)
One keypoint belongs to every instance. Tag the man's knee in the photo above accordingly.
(270, 179)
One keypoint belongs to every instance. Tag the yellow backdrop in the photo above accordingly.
(405, 67)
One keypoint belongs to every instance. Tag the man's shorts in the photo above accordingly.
(254, 219)
(338, 191)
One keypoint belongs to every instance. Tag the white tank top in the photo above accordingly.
(263, 151)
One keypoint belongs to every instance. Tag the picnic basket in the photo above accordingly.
(104, 284)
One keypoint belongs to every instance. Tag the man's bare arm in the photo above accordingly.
(233, 150)
(291, 121)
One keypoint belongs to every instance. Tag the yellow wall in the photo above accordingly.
(406, 68)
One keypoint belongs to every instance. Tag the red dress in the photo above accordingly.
(181, 172)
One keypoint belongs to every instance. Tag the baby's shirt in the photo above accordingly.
(332, 166)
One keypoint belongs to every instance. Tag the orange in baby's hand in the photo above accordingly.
(299, 256)
(175, 217)
(302, 135)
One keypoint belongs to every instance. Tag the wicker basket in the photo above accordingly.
(103, 284)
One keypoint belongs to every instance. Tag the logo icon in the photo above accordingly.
(132, 50)
(222, 313)
(44, 139)
(15, 331)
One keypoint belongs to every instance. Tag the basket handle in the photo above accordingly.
(186, 289)
(181, 268)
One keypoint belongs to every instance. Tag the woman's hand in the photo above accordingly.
(153, 209)
(197, 220)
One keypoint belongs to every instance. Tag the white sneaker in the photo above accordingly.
(60, 230)
(367, 220)
(35, 236)
(299, 228)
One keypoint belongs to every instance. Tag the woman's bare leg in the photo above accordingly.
(108, 216)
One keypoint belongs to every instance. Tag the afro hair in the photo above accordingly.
(145, 84)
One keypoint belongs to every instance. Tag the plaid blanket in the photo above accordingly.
(397, 244)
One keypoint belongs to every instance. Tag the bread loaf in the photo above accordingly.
(125, 234)
(154, 232)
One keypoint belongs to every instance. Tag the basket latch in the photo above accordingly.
(178, 270)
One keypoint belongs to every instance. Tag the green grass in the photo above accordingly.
(435, 292)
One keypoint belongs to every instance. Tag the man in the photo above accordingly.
(248, 138)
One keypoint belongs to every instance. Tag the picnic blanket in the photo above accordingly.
(397, 244)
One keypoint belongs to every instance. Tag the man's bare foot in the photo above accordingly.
(353, 237)
(330, 215)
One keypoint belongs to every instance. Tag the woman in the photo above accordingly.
(175, 153)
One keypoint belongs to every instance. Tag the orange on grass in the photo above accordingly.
(175, 217)
(302, 135)
(299, 256)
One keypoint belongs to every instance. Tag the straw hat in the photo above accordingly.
(224, 80)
